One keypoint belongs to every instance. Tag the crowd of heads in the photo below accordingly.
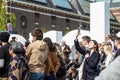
(63, 50)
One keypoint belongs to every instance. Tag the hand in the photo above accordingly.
(77, 34)
(55, 75)
(70, 70)
(87, 55)
(71, 61)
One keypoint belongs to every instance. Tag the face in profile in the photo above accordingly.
(84, 42)
(91, 44)
(116, 42)
(33, 38)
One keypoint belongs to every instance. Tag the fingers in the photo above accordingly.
(77, 34)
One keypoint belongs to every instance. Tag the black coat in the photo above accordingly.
(90, 64)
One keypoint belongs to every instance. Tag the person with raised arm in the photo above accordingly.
(91, 57)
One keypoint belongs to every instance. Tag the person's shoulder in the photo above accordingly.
(97, 53)
(118, 50)
(39, 41)
(13, 62)
(6, 45)
(117, 59)
(4, 48)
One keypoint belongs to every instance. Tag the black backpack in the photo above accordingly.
(63, 69)
(5, 50)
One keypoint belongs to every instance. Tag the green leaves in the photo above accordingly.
(3, 16)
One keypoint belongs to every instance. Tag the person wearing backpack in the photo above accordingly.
(4, 55)
(63, 66)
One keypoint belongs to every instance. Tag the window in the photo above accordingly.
(62, 4)
(42, 1)
(103, 0)
(91, 0)
(116, 1)
(85, 6)
(23, 21)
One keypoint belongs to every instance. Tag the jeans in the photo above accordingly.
(37, 76)
(51, 77)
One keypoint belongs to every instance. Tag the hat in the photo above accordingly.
(4, 36)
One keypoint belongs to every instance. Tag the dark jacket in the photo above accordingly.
(82, 49)
(90, 64)
(117, 53)
(4, 54)
(18, 68)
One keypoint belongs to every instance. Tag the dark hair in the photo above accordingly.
(96, 43)
(56, 45)
(117, 39)
(86, 38)
(27, 43)
(67, 50)
(4, 36)
(13, 38)
(37, 33)
(8, 20)
(50, 44)
(17, 47)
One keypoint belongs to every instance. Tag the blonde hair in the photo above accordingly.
(58, 50)
(108, 48)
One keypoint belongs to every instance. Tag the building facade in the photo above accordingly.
(61, 15)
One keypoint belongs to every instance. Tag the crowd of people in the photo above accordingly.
(44, 60)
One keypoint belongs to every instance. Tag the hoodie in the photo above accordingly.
(37, 53)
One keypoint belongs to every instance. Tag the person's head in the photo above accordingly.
(93, 45)
(107, 48)
(67, 50)
(16, 48)
(4, 36)
(13, 38)
(50, 44)
(63, 43)
(107, 37)
(58, 48)
(85, 40)
(8, 20)
(77, 55)
(117, 42)
(26, 44)
(37, 34)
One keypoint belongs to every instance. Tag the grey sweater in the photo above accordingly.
(112, 71)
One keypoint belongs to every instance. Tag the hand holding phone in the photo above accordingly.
(78, 33)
